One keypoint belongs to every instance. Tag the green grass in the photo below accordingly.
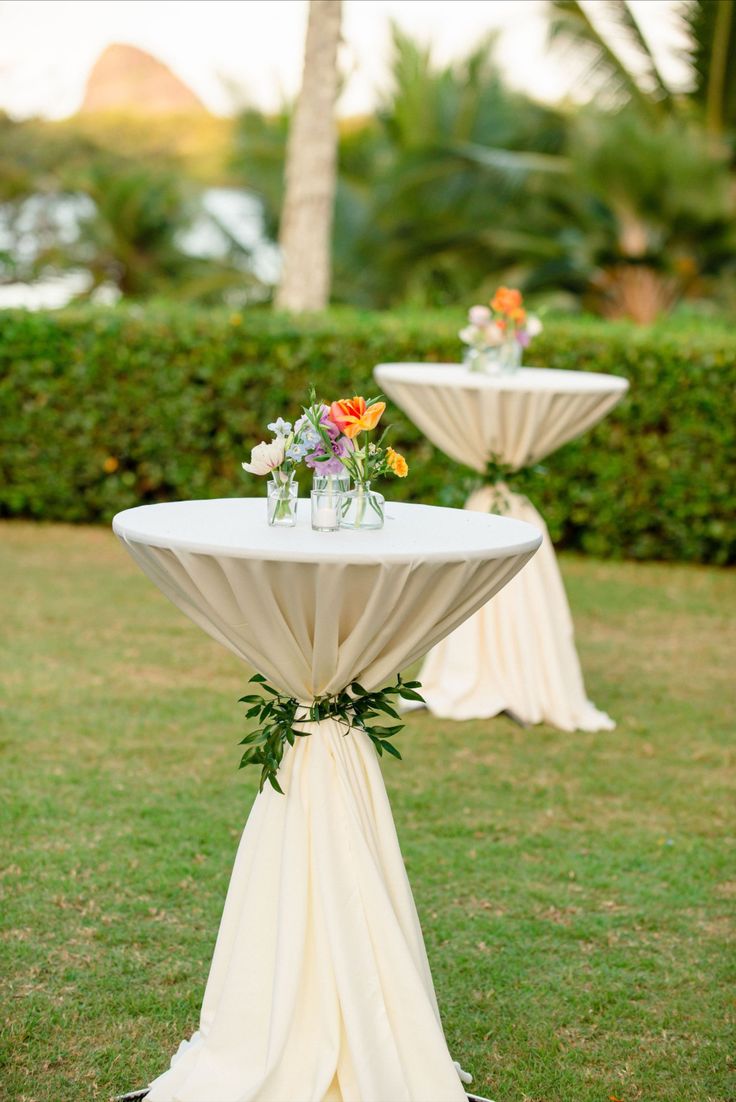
(576, 891)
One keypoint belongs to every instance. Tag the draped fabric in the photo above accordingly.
(517, 419)
(319, 989)
(518, 653)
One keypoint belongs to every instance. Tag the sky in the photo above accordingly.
(233, 52)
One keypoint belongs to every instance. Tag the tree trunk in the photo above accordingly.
(311, 166)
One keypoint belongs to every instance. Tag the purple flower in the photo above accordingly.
(523, 337)
(340, 446)
(330, 426)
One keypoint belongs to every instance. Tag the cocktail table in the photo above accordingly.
(518, 654)
(319, 988)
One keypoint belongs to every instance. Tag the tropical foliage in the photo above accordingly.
(459, 183)
(708, 29)
(68, 204)
(623, 205)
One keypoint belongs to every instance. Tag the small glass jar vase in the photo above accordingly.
(283, 493)
(334, 482)
(326, 510)
(508, 356)
(362, 508)
(482, 360)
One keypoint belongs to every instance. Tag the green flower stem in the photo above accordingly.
(283, 499)
(354, 706)
(361, 494)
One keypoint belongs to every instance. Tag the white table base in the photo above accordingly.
(319, 952)
(517, 653)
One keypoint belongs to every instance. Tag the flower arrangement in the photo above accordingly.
(497, 334)
(330, 439)
(279, 458)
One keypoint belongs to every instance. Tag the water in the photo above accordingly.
(227, 216)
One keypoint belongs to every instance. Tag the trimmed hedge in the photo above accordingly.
(104, 409)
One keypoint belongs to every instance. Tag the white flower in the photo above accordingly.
(265, 458)
(280, 427)
(533, 326)
(469, 335)
(493, 334)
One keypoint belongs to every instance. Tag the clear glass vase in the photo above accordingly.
(509, 356)
(482, 360)
(362, 508)
(335, 482)
(283, 493)
(326, 510)
(497, 359)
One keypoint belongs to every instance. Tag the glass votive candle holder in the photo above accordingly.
(340, 482)
(282, 499)
(326, 509)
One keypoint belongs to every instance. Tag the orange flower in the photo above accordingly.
(110, 465)
(506, 299)
(353, 415)
(518, 316)
(397, 463)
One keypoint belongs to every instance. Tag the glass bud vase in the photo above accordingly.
(362, 508)
(482, 360)
(509, 356)
(283, 492)
(338, 483)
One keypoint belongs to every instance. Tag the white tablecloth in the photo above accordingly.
(319, 987)
(519, 653)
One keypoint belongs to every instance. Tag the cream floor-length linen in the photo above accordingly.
(319, 988)
(518, 653)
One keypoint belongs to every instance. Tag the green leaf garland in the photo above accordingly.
(354, 706)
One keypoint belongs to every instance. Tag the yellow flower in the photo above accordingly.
(110, 465)
(397, 463)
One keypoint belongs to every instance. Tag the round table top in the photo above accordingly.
(237, 528)
(511, 419)
(526, 378)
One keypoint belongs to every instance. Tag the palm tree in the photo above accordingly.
(459, 163)
(306, 222)
(709, 27)
(712, 56)
(427, 204)
(458, 184)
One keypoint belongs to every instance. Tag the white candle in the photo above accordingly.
(326, 517)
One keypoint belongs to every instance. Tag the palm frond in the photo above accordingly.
(571, 26)
(509, 162)
(620, 14)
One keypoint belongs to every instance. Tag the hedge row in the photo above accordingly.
(104, 409)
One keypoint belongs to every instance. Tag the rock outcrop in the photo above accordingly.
(127, 79)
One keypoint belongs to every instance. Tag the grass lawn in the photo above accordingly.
(576, 891)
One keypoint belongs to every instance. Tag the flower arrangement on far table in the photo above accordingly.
(496, 335)
(333, 441)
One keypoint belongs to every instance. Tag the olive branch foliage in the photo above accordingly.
(354, 706)
(516, 480)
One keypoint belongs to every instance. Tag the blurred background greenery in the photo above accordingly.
(623, 207)
(158, 231)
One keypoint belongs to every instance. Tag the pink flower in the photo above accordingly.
(479, 315)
